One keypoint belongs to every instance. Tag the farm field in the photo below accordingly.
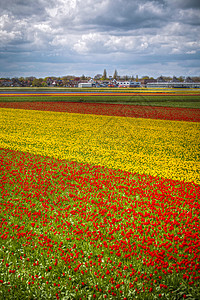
(188, 98)
(99, 201)
(182, 91)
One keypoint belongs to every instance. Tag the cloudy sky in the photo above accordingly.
(74, 37)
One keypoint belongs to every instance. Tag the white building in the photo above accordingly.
(85, 84)
(128, 84)
(173, 84)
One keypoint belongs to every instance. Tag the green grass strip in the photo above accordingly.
(165, 100)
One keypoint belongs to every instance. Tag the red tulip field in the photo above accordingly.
(99, 201)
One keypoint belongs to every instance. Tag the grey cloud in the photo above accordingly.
(185, 11)
(185, 4)
(23, 8)
(99, 33)
(119, 15)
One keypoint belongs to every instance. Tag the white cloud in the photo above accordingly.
(191, 52)
(43, 27)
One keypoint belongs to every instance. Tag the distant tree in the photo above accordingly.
(115, 75)
(104, 77)
(44, 84)
(132, 78)
(126, 77)
(83, 77)
(21, 79)
(181, 79)
(167, 78)
(37, 82)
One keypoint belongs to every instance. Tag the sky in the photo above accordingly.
(74, 37)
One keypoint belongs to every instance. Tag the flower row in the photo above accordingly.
(121, 110)
(75, 231)
(146, 146)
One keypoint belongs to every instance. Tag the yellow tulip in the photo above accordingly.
(147, 146)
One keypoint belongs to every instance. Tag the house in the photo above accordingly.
(145, 81)
(6, 82)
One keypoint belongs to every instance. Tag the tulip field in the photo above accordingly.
(99, 201)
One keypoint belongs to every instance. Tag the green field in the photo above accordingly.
(152, 100)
